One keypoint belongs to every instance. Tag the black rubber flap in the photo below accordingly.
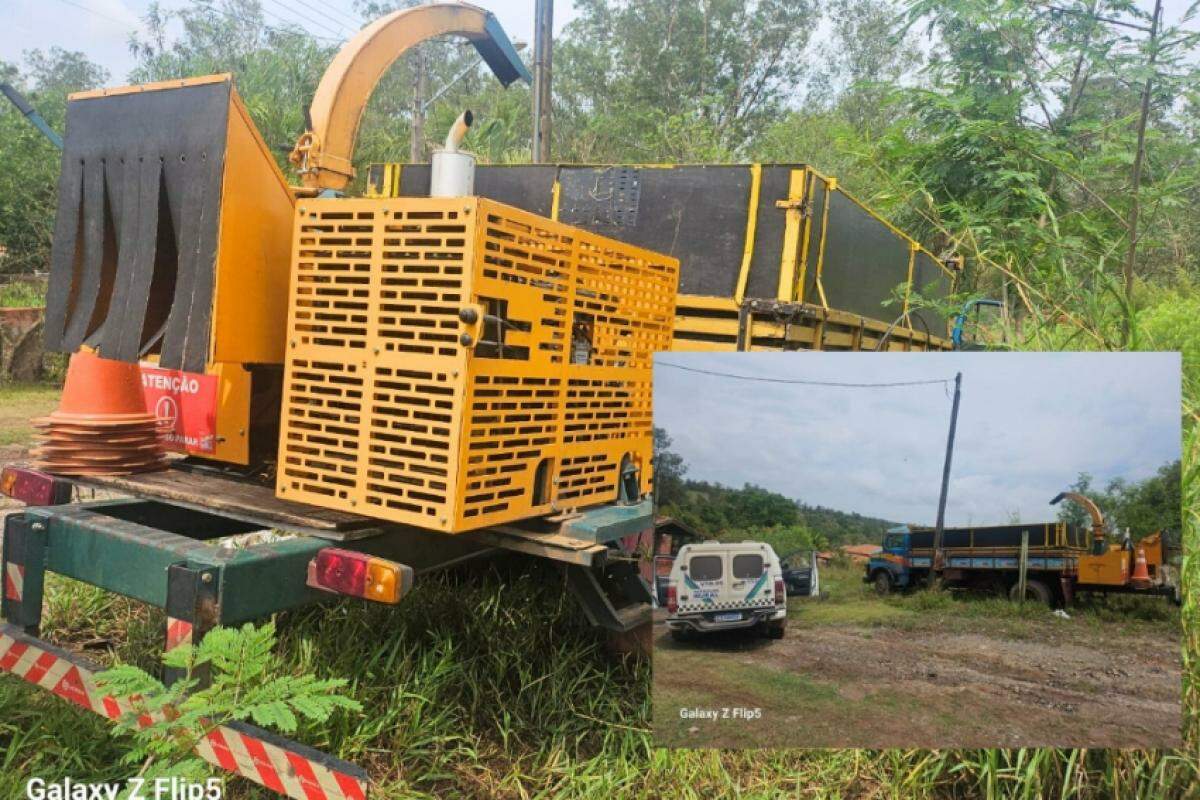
(135, 241)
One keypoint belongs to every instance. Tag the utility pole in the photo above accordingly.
(938, 555)
(416, 146)
(1140, 157)
(543, 43)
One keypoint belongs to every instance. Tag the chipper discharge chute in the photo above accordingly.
(171, 248)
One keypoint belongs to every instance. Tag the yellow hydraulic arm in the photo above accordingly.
(323, 153)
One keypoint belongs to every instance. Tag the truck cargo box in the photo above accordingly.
(1042, 535)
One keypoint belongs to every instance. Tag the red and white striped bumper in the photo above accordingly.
(283, 766)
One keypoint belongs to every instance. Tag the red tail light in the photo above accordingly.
(780, 593)
(360, 575)
(34, 488)
(672, 600)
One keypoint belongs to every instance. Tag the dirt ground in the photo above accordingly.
(875, 673)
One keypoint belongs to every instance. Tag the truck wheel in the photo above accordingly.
(1034, 590)
(776, 630)
(883, 583)
(681, 634)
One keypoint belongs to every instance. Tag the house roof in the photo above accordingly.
(677, 529)
(861, 549)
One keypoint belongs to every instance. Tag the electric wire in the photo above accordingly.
(94, 11)
(292, 10)
(198, 6)
(790, 381)
(343, 19)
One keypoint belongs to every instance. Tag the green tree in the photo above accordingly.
(675, 80)
(669, 470)
(29, 180)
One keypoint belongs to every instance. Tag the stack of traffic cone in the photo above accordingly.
(1140, 579)
(101, 426)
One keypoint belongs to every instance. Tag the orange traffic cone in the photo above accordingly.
(1140, 579)
(101, 426)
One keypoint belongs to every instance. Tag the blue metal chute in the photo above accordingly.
(499, 54)
(31, 114)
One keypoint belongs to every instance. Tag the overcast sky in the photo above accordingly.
(1028, 424)
(101, 28)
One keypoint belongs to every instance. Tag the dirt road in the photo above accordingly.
(940, 680)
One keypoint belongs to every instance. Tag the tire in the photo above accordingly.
(1034, 590)
(883, 583)
(681, 634)
(776, 630)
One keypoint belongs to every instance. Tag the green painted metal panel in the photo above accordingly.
(132, 559)
(259, 581)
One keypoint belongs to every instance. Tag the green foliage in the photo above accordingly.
(22, 294)
(752, 512)
(669, 470)
(29, 180)
(672, 81)
(247, 683)
(1143, 507)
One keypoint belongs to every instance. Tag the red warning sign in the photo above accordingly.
(188, 402)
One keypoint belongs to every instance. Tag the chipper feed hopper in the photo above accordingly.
(172, 247)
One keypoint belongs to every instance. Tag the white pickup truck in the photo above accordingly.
(718, 586)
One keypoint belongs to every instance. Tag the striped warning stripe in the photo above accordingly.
(285, 767)
(14, 582)
(179, 632)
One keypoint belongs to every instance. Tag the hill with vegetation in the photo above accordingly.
(752, 512)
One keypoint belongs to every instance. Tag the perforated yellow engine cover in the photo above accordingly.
(454, 363)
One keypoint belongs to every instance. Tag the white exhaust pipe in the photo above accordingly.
(459, 130)
(452, 172)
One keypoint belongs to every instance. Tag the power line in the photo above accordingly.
(354, 22)
(302, 15)
(215, 10)
(97, 13)
(836, 384)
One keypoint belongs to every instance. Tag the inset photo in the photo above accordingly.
(917, 550)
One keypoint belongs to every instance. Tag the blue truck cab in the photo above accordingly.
(895, 567)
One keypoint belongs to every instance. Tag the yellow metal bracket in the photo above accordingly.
(830, 188)
(793, 226)
(913, 249)
(751, 226)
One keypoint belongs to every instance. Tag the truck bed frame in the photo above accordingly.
(175, 540)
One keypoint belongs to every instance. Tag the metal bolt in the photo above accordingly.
(206, 578)
(468, 315)
(466, 340)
